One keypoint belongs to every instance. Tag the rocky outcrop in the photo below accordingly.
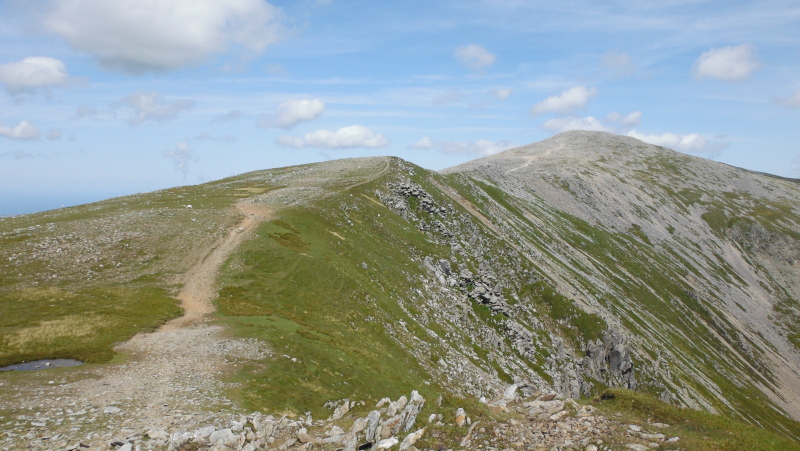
(609, 360)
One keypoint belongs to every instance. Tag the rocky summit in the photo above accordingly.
(589, 292)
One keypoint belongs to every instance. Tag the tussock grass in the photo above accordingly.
(697, 430)
(82, 324)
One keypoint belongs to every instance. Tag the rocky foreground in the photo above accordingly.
(542, 422)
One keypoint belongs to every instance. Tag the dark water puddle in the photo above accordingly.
(42, 365)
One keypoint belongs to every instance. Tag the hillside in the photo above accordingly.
(568, 268)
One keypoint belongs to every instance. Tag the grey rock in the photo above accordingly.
(373, 421)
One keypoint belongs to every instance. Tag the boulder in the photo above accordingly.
(461, 417)
(386, 443)
(373, 422)
(410, 439)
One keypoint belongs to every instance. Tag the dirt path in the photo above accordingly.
(199, 286)
(173, 378)
(529, 159)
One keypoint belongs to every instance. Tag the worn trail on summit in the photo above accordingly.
(172, 377)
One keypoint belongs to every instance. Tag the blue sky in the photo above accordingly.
(103, 98)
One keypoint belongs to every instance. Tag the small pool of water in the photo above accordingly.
(42, 365)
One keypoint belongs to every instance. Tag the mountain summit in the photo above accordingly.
(579, 267)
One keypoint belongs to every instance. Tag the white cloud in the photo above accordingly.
(629, 120)
(24, 131)
(182, 154)
(793, 101)
(501, 93)
(480, 148)
(692, 143)
(569, 100)
(91, 112)
(732, 63)
(559, 125)
(142, 35)
(475, 57)
(344, 138)
(619, 62)
(424, 143)
(33, 73)
(150, 106)
(293, 112)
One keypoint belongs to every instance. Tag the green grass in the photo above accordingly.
(81, 324)
(341, 300)
(76, 281)
(700, 431)
(307, 294)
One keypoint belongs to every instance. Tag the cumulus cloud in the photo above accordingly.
(475, 57)
(500, 93)
(732, 63)
(424, 143)
(293, 112)
(24, 131)
(182, 155)
(565, 124)
(33, 73)
(619, 63)
(480, 148)
(143, 35)
(628, 120)
(344, 138)
(150, 106)
(793, 101)
(569, 100)
(614, 122)
(691, 143)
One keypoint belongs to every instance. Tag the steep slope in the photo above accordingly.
(695, 263)
(582, 262)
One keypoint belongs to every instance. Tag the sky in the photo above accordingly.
(104, 98)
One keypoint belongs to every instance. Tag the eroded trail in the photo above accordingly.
(172, 377)
(199, 286)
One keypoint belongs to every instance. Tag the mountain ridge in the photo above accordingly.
(564, 274)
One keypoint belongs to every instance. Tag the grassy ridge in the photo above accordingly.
(76, 281)
(300, 285)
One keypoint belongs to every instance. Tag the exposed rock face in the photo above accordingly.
(609, 360)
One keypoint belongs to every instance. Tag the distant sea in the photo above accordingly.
(13, 203)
